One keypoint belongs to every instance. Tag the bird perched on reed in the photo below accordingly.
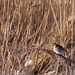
(58, 49)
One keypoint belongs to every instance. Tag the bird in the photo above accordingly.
(58, 49)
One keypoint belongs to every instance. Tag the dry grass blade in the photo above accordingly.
(23, 57)
(29, 39)
(48, 51)
(26, 30)
(51, 72)
(56, 22)
(57, 56)
(26, 53)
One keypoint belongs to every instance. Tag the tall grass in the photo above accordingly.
(25, 25)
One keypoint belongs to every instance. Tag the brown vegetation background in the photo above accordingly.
(45, 22)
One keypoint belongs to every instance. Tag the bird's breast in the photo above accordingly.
(57, 50)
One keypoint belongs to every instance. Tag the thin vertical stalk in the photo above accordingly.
(56, 21)
(2, 49)
(64, 33)
(43, 9)
(72, 49)
(60, 19)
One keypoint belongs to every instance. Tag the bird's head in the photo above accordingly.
(53, 44)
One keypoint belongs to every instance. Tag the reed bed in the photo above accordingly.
(27, 28)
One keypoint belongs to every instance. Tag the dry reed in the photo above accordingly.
(27, 27)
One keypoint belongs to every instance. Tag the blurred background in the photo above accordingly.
(28, 23)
